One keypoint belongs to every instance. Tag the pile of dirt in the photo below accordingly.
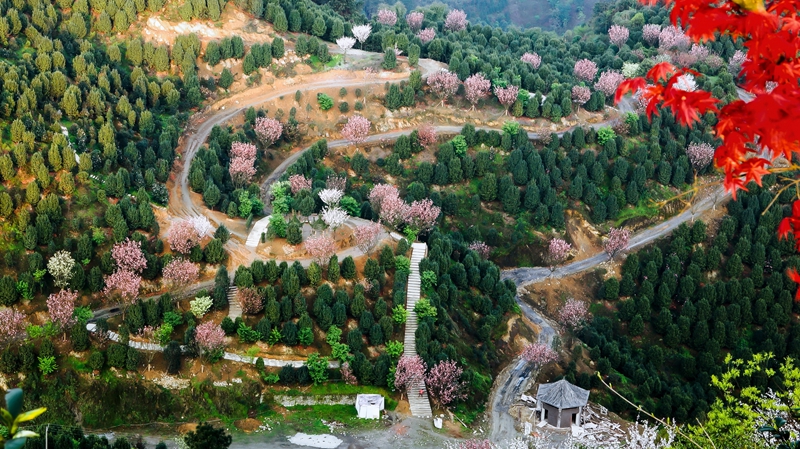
(183, 429)
(248, 425)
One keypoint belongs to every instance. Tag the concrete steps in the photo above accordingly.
(234, 309)
(420, 405)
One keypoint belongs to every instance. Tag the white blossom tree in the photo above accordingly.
(345, 43)
(362, 32)
(60, 267)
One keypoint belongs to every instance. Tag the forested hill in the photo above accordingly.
(553, 15)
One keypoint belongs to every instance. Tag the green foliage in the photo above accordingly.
(208, 437)
(317, 368)
(424, 309)
(47, 365)
(324, 101)
(604, 135)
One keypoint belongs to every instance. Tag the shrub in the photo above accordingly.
(344, 107)
(324, 101)
(96, 361)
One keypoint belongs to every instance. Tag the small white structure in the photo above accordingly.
(369, 406)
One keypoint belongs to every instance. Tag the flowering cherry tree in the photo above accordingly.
(128, 255)
(456, 20)
(298, 183)
(125, 282)
(347, 374)
(426, 35)
(60, 267)
(331, 197)
(243, 158)
(362, 32)
(477, 87)
(414, 20)
(268, 130)
(12, 326)
(410, 370)
(394, 211)
(345, 43)
(320, 248)
(422, 215)
(481, 248)
(202, 225)
(539, 354)
(585, 70)
(651, 33)
(574, 314)
(444, 382)
(736, 61)
(379, 193)
(609, 81)
(387, 17)
(533, 59)
(334, 217)
(61, 306)
(673, 38)
(444, 84)
(581, 94)
(700, 155)
(557, 252)
(250, 301)
(209, 336)
(181, 272)
(336, 182)
(616, 241)
(506, 95)
(618, 34)
(183, 237)
(367, 236)
(427, 135)
(356, 129)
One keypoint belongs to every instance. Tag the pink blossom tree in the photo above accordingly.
(124, 282)
(128, 255)
(362, 32)
(422, 215)
(581, 94)
(241, 166)
(427, 135)
(414, 20)
(557, 252)
(394, 211)
(700, 52)
(651, 33)
(347, 374)
(443, 84)
(609, 81)
(61, 306)
(379, 193)
(506, 95)
(426, 35)
(298, 183)
(618, 34)
(477, 87)
(456, 20)
(387, 17)
(250, 300)
(210, 337)
(345, 43)
(673, 38)
(268, 130)
(585, 70)
(481, 248)
(12, 326)
(539, 354)
(574, 315)
(532, 58)
(700, 155)
(444, 382)
(356, 129)
(736, 61)
(410, 370)
(180, 272)
(320, 248)
(336, 183)
(183, 237)
(617, 241)
(475, 444)
(367, 236)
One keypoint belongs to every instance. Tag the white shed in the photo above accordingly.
(369, 406)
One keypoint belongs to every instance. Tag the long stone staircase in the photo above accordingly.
(420, 404)
(234, 309)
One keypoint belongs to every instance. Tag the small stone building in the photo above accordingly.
(561, 403)
(369, 406)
